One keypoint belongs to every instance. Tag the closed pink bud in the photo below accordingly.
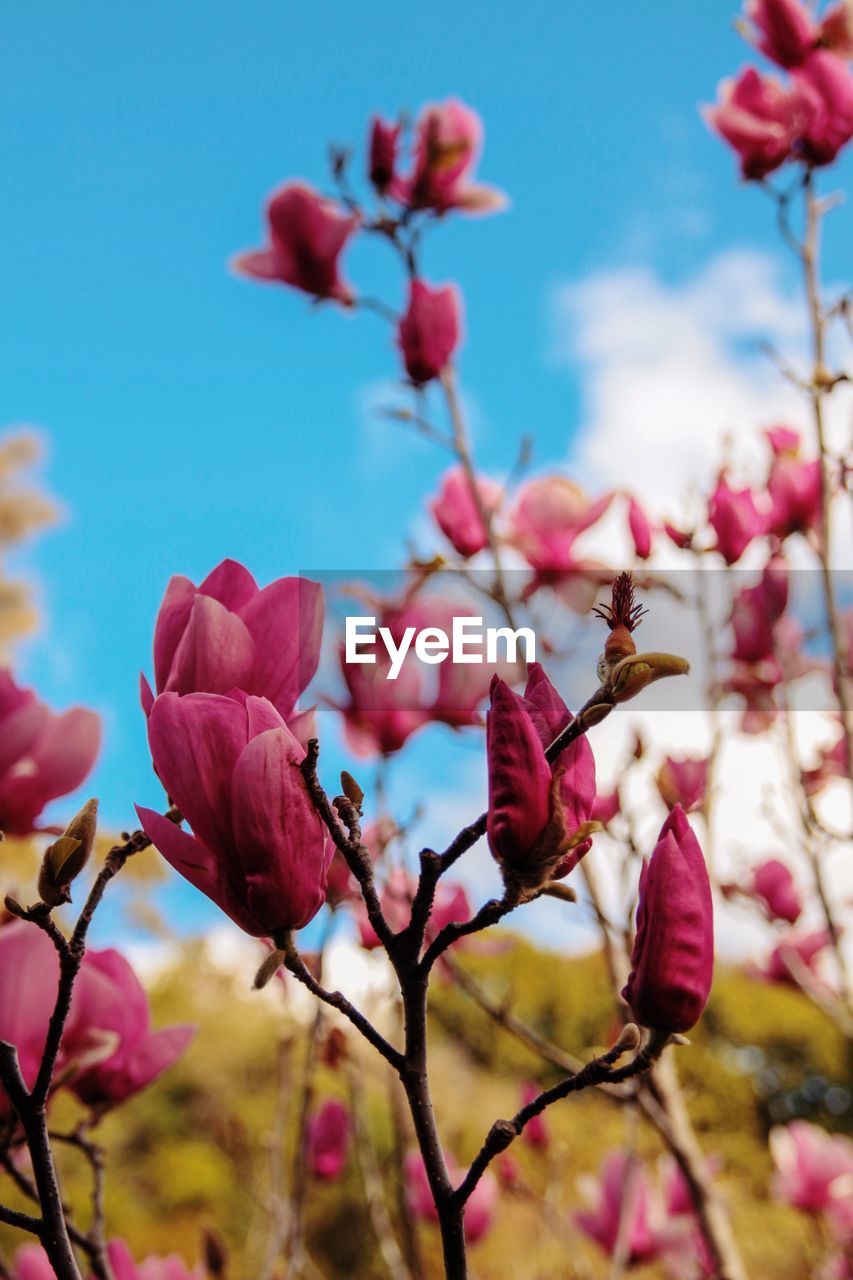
(760, 118)
(44, 755)
(623, 1189)
(123, 1266)
(735, 519)
(549, 516)
(457, 513)
(825, 84)
(773, 884)
(229, 634)
(429, 331)
(258, 848)
(383, 154)
(814, 1169)
(785, 30)
(448, 138)
(479, 1210)
(672, 963)
(110, 1029)
(306, 236)
(683, 780)
(535, 1132)
(640, 530)
(537, 810)
(328, 1138)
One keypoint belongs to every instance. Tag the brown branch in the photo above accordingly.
(598, 1071)
(294, 964)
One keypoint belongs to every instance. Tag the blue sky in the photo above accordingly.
(189, 415)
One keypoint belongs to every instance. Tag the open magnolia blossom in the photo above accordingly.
(259, 849)
(230, 634)
(44, 755)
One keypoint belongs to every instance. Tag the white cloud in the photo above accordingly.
(669, 371)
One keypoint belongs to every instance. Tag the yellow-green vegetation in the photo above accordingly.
(211, 1143)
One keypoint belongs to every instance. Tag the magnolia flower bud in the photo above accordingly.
(67, 856)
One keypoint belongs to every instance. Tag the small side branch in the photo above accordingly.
(600, 1070)
(294, 964)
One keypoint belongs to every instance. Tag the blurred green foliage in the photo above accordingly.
(211, 1143)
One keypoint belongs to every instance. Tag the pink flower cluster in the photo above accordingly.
(810, 117)
(307, 232)
(230, 661)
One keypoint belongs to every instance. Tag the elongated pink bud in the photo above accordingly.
(672, 964)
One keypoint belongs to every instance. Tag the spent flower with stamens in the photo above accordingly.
(622, 671)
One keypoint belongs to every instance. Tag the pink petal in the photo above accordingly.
(191, 859)
(231, 584)
(170, 626)
(195, 742)
(215, 653)
(285, 621)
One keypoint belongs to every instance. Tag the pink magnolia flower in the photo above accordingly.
(381, 714)
(383, 154)
(735, 519)
(457, 513)
(171, 1268)
(825, 84)
(32, 1263)
(429, 331)
(773, 884)
(785, 30)
(328, 1138)
(814, 1169)
(794, 487)
(43, 755)
(795, 951)
(672, 964)
(29, 975)
(450, 905)
(448, 139)
(622, 1188)
(306, 236)
(229, 634)
(756, 611)
(784, 441)
(549, 516)
(259, 848)
(640, 529)
(760, 118)
(111, 1029)
(479, 1211)
(535, 1132)
(683, 780)
(536, 810)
